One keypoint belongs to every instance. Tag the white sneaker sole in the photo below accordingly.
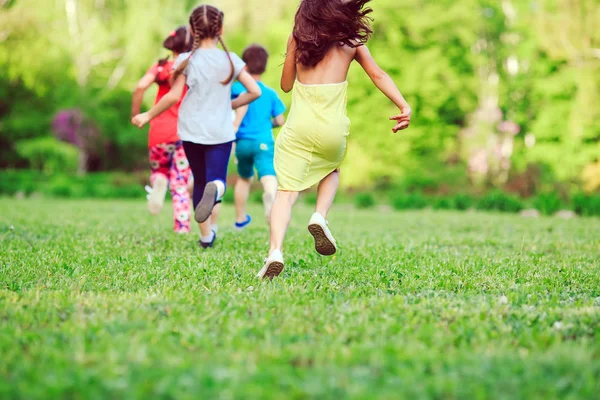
(324, 243)
(271, 270)
(207, 203)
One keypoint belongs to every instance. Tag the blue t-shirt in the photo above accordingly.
(257, 123)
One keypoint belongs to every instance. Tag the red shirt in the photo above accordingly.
(163, 129)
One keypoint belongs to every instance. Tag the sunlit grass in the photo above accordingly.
(98, 300)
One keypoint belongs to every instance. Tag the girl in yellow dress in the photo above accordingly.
(328, 35)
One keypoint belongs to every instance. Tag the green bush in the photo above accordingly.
(63, 186)
(458, 202)
(548, 203)
(408, 201)
(105, 186)
(49, 155)
(444, 203)
(500, 201)
(229, 197)
(310, 198)
(586, 205)
(256, 197)
(27, 182)
(364, 200)
(462, 202)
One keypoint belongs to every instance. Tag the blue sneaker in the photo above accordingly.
(241, 225)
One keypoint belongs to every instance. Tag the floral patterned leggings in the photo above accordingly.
(169, 160)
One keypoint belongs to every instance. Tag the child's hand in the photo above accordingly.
(140, 120)
(402, 120)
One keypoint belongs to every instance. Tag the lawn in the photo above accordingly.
(98, 300)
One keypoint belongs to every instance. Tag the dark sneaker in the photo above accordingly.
(207, 203)
(211, 244)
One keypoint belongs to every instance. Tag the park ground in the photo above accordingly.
(99, 300)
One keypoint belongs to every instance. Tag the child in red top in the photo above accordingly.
(168, 162)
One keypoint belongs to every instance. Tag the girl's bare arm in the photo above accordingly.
(288, 77)
(240, 113)
(138, 95)
(279, 121)
(168, 101)
(387, 86)
(253, 91)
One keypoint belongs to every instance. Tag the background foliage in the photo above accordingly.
(505, 93)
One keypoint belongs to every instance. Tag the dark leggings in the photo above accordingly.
(209, 163)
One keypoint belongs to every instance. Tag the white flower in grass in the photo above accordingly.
(503, 299)
(558, 325)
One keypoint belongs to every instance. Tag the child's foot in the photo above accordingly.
(268, 200)
(273, 266)
(156, 195)
(208, 242)
(241, 225)
(324, 240)
(207, 203)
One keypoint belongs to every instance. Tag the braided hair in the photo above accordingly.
(206, 22)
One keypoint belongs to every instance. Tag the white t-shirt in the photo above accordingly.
(205, 112)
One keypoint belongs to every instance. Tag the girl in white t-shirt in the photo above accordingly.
(204, 123)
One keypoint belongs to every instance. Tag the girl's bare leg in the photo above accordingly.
(326, 192)
(269, 184)
(281, 215)
(242, 191)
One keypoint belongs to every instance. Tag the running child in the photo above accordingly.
(205, 125)
(168, 164)
(328, 36)
(254, 146)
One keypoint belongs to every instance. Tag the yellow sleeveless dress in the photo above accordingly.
(312, 143)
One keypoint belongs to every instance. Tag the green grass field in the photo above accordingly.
(98, 300)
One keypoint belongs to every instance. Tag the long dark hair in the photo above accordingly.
(179, 41)
(206, 22)
(322, 23)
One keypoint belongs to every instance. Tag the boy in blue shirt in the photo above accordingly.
(254, 140)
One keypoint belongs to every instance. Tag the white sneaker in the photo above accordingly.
(156, 197)
(273, 266)
(324, 241)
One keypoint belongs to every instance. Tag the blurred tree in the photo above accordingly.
(496, 85)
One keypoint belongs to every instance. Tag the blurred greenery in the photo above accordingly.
(364, 200)
(96, 185)
(48, 154)
(505, 93)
